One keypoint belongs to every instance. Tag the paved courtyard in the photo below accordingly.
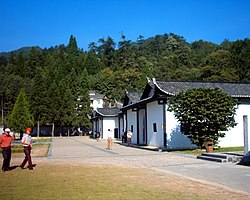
(89, 151)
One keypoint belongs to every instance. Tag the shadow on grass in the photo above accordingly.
(13, 167)
(16, 166)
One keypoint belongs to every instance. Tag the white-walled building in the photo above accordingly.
(105, 116)
(129, 116)
(96, 100)
(104, 119)
(154, 125)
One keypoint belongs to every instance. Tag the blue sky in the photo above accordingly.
(48, 23)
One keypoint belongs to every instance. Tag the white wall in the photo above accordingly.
(155, 115)
(97, 103)
(235, 136)
(121, 130)
(247, 136)
(99, 126)
(175, 139)
(142, 127)
(131, 120)
(1, 130)
(124, 122)
(248, 128)
(109, 123)
(94, 128)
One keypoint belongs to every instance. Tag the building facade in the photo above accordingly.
(152, 124)
(104, 119)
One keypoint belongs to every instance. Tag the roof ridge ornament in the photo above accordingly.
(148, 79)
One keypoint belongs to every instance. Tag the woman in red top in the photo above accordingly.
(5, 142)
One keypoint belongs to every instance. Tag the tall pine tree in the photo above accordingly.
(83, 102)
(72, 51)
(21, 117)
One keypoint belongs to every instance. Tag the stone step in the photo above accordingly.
(219, 155)
(212, 158)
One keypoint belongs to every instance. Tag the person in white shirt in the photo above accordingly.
(109, 146)
(129, 136)
(27, 145)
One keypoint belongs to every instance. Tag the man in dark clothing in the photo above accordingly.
(5, 142)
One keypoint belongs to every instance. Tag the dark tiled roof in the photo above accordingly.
(148, 90)
(118, 104)
(150, 82)
(134, 96)
(95, 95)
(233, 89)
(108, 111)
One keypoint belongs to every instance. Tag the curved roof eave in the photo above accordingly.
(155, 83)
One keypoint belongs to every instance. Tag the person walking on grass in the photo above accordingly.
(5, 142)
(27, 146)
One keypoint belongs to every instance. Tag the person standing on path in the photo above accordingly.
(109, 147)
(27, 145)
(5, 142)
(98, 136)
(129, 136)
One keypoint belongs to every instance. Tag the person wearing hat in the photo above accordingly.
(5, 142)
(27, 145)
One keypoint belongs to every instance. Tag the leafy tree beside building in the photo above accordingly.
(203, 113)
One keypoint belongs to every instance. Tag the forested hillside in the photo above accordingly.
(56, 77)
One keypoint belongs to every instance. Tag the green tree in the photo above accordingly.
(67, 109)
(203, 113)
(54, 102)
(38, 98)
(72, 48)
(240, 50)
(106, 50)
(219, 59)
(11, 85)
(21, 117)
(93, 64)
(211, 73)
(83, 109)
(35, 59)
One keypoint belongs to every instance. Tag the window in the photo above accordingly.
(154, 127)
(132, 128)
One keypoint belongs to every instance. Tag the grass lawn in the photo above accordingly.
(42, 139)
(40, 148)
(69, 181)
(51, 180)
(216, 150)
(64, 180)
